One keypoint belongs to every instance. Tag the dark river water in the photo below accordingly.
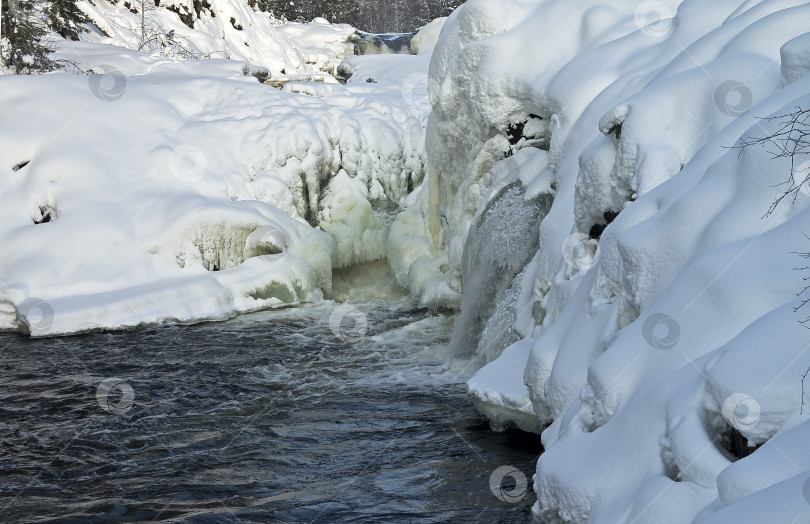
(270, 417)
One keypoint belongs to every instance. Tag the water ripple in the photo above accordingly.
(268, 417)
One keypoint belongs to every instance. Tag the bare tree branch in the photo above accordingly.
(791, 140)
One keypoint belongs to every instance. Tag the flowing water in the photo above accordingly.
(268, 417)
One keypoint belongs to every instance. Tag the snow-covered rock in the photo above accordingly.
(425, 40)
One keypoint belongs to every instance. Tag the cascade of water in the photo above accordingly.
(500, 242)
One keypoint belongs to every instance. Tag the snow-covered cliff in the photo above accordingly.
(651, 314)
(230, 29)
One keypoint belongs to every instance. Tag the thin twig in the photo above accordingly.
(791, 140)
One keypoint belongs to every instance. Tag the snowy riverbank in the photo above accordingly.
(167, 190)
(659, 339)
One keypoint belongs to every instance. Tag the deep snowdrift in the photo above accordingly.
(656, 330)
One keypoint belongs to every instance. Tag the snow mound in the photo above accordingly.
(425, 40)
(506, 403)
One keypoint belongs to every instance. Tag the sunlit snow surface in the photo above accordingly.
(221, 29)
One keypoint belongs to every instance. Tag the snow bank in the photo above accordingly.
(158, 189)
(654, 319)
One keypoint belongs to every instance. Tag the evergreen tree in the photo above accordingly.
(21, 40)
(65, 18)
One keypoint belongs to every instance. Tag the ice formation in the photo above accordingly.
(176, 190)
